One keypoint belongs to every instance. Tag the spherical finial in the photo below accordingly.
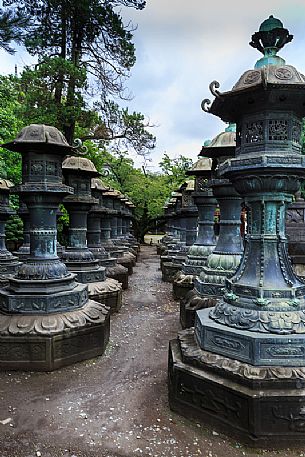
(270, 24)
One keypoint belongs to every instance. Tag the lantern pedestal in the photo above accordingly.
(243, 368)
(46, 319)
(47, 342)
(262, 406)
(78, 172)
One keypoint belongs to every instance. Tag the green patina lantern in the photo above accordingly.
(243, 367)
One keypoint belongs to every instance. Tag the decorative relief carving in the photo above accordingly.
(278, 130)
(252, 77)
(20, 351)
(283, 73)
(201, 184)
(196, 356)
(92, 312)
(216, 400)
(282, 351)
(33, 133)
(296, 423)
(67, 347)
(265, 321)
(296, 131)
(228, 343)
(37, 167)
(52, 168)
(254, 132)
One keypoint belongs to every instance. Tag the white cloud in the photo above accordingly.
(182, 47)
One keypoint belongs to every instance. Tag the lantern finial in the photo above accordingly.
(271, 37)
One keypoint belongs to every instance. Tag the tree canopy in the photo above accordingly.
(148, 190)
(85, 53)
(83, 48)
(12, 27)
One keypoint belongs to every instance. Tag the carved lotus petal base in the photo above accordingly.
(182, 284)
(119, 273)
(288, 321)
(45, 343)
(253, 347)
(261, 406)
(182, 278)
(33, 270)
(191, 303)
(108, 292)
(169, 271)
(127, 263)
(200, 251)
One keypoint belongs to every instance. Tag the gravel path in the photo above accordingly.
(115, 405)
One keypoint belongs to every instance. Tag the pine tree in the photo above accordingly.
(84, 45)
(12, 26)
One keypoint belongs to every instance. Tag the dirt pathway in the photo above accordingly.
(116, 405)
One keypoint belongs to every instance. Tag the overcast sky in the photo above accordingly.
(182, 46)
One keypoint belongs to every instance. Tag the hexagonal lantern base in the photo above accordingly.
(262, 406)
(191, 304)
(119, 273)
(108, 292)
(170, 269)
(48, 342)
(255, 348)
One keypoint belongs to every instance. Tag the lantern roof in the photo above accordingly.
(270, 24)
(255, 86)
(190, 185)
(97, 183)
(5, 184)
(44, 136)
(223, 144)
(81, 164)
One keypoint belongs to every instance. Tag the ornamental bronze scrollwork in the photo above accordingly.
(205, 105)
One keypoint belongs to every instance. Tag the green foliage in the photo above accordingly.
(62, 225)
(147, 190)
(14, 229)
(10, 124)
(39, 87)
(12, 26)
(121, 130)
(74, 40)
(175, 169)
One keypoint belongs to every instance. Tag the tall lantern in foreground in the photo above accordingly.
(243, 367)
(46, 318)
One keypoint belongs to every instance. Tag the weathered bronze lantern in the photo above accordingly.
(225, 258)
(206, 239)
(78, 172)
(186, 229)
(116, 247)
(249, 350)
(8, 263)
(46, 319)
